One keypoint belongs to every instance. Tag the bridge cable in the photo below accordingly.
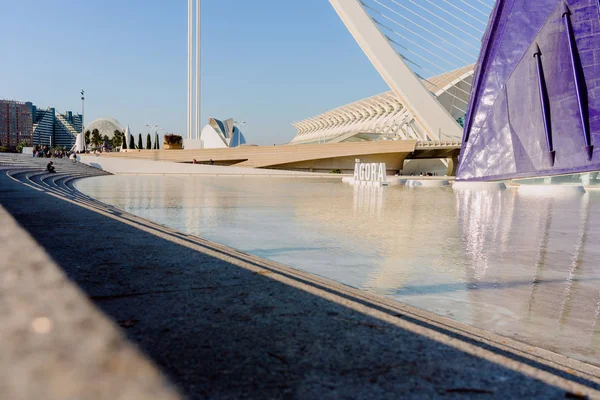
(426, 40)
(429, 31)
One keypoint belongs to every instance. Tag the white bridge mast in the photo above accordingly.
(409, 88)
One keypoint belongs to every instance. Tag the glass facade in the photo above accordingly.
(25, 122)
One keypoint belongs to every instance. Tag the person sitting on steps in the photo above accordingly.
(50, 167)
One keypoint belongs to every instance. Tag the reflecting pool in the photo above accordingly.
(523, 266)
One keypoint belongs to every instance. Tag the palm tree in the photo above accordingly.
(148, 142)
(117, 139)
(96, 138)
(87, 137)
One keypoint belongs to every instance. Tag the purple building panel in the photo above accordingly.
(535, 104)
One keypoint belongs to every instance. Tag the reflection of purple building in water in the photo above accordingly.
(535, 104)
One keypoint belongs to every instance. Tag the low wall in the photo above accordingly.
(125, 166)
(415, 167)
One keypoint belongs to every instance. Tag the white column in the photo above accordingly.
(189, 71)
(82, 119)
(82, 111)
(198, 23)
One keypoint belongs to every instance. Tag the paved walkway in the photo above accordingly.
(224, 324)
(55, 344)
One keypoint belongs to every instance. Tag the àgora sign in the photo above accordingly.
(369, 172)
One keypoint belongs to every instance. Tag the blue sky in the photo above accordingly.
(269, 62)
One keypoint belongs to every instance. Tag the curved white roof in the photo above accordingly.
(385, 116)
(221, 134)
(105, 125)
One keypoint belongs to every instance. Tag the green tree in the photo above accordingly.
(124, 141)
(117, 139)
(156, 144)
(105, 140)
(148, 142)
(22, 143)
(131, 142)
(87, 137)
(96, 139)
(140, 146)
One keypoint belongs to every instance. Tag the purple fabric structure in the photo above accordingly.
(506, 130)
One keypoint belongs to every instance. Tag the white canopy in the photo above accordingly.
(79, 143)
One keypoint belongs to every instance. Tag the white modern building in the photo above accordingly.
(106, 126)
(389, 117)
(219, 134)
(425, 52)
(55, 129)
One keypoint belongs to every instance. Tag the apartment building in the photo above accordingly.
(16, 122)
(26, 122)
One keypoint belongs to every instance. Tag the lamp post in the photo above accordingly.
(239, 125)
(155, 128)
(82, 114)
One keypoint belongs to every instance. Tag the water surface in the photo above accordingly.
(525, 267)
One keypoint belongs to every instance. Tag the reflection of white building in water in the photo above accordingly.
(219, 134)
